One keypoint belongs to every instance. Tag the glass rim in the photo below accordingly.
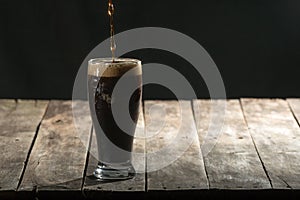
(109, 61)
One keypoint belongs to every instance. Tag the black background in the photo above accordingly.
(255, 43)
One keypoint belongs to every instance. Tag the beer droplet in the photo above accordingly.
(110, 9)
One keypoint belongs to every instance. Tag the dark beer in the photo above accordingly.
(114, 142)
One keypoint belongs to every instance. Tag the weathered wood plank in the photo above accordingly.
(174, 160)
(92, 186)
(233, 162)
(295, 106)
(18, 124)
(58, 157)
(276, 135)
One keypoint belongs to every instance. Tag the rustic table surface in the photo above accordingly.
(44, 152)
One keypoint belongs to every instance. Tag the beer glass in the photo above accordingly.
(114, 94)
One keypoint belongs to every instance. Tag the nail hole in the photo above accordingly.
(241, 138)
(17, 139)
(99, 187)
(130, 188)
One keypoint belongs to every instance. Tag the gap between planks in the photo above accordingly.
(58, 156)
(32, 144)
(294, 105)
(17, 134)
(172, 164)
(233, 162)
(276, 134)
(87, 161)
(286, 182)
(195, 121)
(262, 163)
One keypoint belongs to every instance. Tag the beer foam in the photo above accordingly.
(106, 68)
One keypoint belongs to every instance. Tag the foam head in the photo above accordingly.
(104, 67)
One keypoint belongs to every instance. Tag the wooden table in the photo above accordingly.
(256, 154)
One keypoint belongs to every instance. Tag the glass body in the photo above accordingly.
(115, 90)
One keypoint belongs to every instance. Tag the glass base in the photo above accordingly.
(105, 172)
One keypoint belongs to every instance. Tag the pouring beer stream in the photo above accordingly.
(110, 12)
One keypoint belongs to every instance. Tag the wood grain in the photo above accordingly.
(18, 124)
(264, 154)
(58, 157)
(92, 186)
(276, 135)
(233, 162)
(174, 160)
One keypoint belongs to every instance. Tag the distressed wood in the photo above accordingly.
(180, 167)
(18, 124)
(92, 186)
(295, 106)
(233, 162)
(58, 157)
(276, 135)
